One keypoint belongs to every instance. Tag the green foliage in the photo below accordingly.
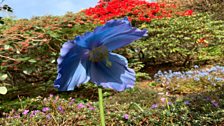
(214, 7)
(7, 23)
(180, 41)
(30, 48)
(194, 109)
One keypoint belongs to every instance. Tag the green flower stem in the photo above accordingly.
(102, 119)
(167, 104)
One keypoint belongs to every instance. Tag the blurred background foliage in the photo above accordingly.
(176, 42)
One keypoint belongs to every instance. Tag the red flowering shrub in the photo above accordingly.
(138, 10)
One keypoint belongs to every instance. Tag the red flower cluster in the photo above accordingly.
(138, 10)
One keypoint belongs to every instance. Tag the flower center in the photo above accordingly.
(98, 54)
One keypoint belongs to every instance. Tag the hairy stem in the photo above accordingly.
(102, 119)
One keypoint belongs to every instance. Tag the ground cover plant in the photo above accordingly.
(179, 68)
(156, 106)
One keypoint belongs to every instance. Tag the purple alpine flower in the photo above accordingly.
(215, 103)
(45, 109)
(80, 105)
(48, 116)
(91, 108)
(163, 100)
(186, 102)
(154, 106)
(60, 109)
(126, 116)
(89, 57)
(25, 112)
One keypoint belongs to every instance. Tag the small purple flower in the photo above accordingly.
(72, 101)
(32, 114)
(203, 74)
(212, 69)
(48, 116)
(196, 66)
(91, 108)
(219, 79)
(45, 109)
(51, 95)
(170, 103)
(36, 111)
(126, 116)
(16, 116)
(189, 73)
(25, 112)
(186, 102)
(208, 98)
(60, 109)
(80, 106)
(214, 103)
(154, 106)
(196, 78)
(163, 99)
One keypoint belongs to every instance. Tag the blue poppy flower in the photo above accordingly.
(89, 57)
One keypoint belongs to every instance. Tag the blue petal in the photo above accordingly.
(114, 34)
(117, 77)
(84, 40)
(123, 38)
(72, 67)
